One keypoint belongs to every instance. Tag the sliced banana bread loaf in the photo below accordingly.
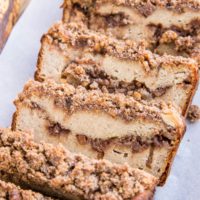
(101, 125)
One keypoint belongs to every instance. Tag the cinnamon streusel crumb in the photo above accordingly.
(193, 113)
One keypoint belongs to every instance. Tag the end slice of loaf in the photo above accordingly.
(170, 27)
(73, 54)
(101, 125)
(9, 191)
(57, 172)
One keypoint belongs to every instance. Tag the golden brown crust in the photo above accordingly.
(195, 81)
(56, 170)
(169, 164)
(10, 191)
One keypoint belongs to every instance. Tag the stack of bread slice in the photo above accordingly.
(79, 56)
(11, 191)
(165, 26)
(105, 115)
(102, 125)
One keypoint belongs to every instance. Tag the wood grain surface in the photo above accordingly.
(10, 11)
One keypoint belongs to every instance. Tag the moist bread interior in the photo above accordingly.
(147, 138)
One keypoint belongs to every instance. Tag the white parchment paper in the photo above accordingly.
(17, 65)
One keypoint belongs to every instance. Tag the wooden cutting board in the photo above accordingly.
(10, 11)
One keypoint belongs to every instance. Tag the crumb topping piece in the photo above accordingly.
(193, 113)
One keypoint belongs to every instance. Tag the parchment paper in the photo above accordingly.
(17, 65)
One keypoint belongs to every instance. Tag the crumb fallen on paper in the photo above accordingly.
(193, 113)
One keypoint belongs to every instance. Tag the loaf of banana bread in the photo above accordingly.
(101, 125)
(59, 173)
(166, 26)
(74, 54)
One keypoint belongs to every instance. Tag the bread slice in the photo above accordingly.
(71, 53)
(57, 172)
(9, 191)
(101, 125)
(166, 26)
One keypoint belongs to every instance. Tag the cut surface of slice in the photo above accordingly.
(9, 191)
(73, 54)
(57, 172)
(101, 125)
(167, 26)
